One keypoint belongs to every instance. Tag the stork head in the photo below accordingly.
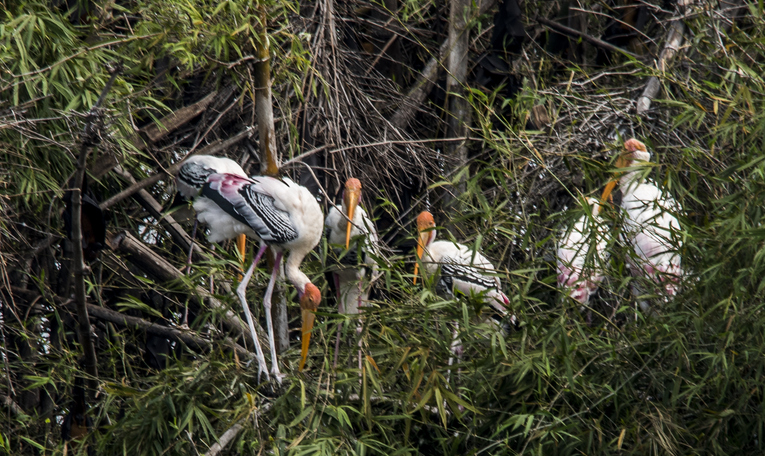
(309, 303)
(636, 151)
(426, 234)
(351, 197)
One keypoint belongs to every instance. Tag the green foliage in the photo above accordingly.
(685, 380)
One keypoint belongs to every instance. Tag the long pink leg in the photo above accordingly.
(188, 269)
(240, 292)
(267, 304)
(340, 310)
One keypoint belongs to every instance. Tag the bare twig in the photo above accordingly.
(176, 119)
(226, 438)
(674, 40)
(11, 406)
(576, 33)
(156, 266)
(90, 137)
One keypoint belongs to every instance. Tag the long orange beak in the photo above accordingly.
(351, 201)
(422, 240)
(308, 318)
(241, 245)
(620, 163)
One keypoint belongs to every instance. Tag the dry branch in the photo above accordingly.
(160, 330)
(152, 206)
(144, 258)
(91, 133)
(674, 40)
(225, 439)
(176, 119)
(576, 33)
(427, 80)
(11, 406)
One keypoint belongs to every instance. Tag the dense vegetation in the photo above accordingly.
(549, 115)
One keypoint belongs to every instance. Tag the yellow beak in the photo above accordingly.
(620, 163)
(308, 318)
(351, 201)
(422, 240)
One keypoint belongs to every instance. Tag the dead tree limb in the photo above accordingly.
(152, 206)
(674, 41)
(91, 135)
(224, 440)
(159, 268)
(428, 77)
(269, 166)
(11, 406)
(576, 33)
(176, 119)
(269, 156)
(160, 330)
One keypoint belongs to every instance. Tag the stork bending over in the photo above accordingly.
(582, 255)
(351, 274)
(649, 224)
(283, 215)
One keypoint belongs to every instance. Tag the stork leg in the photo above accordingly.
(340, 310)
(267, 304)
(188, 270)
(359, 328)
(456, 347)
(240, 292)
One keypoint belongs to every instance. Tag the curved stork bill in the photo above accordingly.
(631, 145)
(426, 229)
(309, 303)
(351, 197)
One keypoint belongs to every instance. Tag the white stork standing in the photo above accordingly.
(283, 215)
(582, 255)
(189, 182)
(351, 277)
(649, 224)
(461, 268)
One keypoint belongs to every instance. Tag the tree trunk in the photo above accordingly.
(269, 166)
(457, 104)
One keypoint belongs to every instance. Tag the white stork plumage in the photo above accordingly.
(283, 215)
(582, 255)
(461, 268)
(649, 226)
(352, 273)
(189, 182)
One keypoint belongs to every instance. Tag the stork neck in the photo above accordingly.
(292, 270)
(632, 177)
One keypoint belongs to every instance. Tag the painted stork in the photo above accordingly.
(649, 224)
(189, 182)
(351, 276)
(461, 268)
(582, 255)
(283, 215)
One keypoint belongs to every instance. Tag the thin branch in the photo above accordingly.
(159, 268)
(225, 439)
(12, 406)
(90, 137)
(576, 33)
(674, 41)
